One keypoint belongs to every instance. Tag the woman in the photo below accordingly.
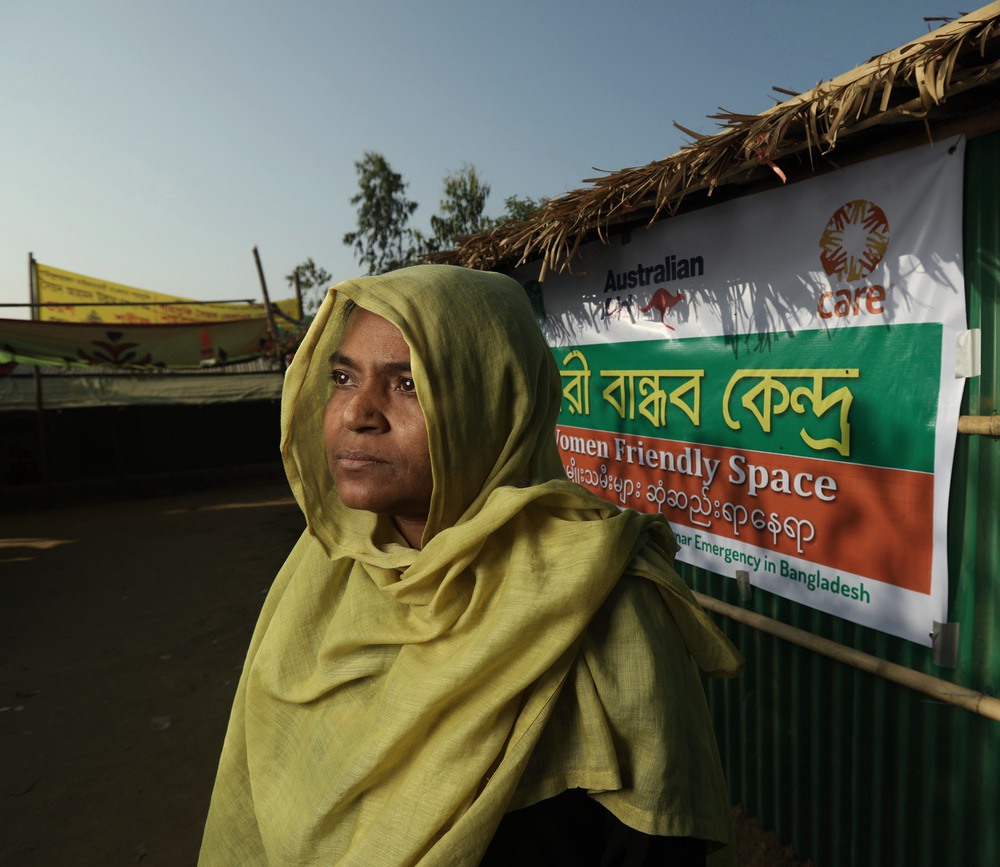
(461, 632)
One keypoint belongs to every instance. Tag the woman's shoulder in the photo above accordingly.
(634, 616)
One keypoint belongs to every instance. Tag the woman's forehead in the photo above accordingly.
(369, 335)
(363, 325)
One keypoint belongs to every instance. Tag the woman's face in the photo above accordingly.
(373, 426)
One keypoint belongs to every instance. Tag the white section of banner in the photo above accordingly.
(894, 610)
(760, 263)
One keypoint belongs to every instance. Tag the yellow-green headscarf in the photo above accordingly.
(395, 702)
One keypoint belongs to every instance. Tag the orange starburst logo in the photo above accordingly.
(854, 240)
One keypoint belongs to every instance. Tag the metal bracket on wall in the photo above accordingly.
(944, 642)
(743, 582)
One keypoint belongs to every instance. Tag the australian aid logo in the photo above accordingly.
(852, 246)
(627, 289)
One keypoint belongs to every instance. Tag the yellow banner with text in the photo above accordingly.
(85, 299)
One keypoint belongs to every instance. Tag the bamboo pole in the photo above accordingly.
(298, 294)
(43, 458)
(942, 690)
(987, 425)
(271, 326)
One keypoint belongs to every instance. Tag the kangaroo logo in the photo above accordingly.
(663, 301)
(854, 240)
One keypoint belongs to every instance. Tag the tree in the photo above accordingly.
(383, 240)
(520, 208)
(313, 281)
(461, 208)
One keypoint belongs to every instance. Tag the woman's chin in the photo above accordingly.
(365, 500)
(360, 500)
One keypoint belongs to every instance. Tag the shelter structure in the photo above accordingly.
(109, 382)
(855, 743)
(940, 84)
(109, 424)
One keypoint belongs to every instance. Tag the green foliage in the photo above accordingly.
(461, 209)
(383, 240)
(520, 208)
(313, 281)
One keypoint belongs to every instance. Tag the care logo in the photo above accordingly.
(852, 245)
(854, 241)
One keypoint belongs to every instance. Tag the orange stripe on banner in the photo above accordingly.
(869, 521)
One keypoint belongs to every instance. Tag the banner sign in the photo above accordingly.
(776, 375)
(73, 290)
(79, 345)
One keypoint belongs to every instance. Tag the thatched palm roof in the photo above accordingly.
(925, 83)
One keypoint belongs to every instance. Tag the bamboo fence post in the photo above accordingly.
(986, 425)
(942, 690)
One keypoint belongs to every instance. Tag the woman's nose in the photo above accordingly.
(365, 412)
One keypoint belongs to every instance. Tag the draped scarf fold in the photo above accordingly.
(394, 701)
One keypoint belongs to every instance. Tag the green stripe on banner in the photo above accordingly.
(859, 395)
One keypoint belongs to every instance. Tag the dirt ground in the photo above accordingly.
(123, 627)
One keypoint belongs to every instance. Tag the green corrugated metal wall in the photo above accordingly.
(851, 769)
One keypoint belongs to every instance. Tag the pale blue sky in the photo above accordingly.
(153, 144)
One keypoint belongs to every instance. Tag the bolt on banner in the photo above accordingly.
(776, 375)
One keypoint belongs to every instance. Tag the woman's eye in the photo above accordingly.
(338, 377)
(406, 385)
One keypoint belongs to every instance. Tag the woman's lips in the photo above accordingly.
(358, 460)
